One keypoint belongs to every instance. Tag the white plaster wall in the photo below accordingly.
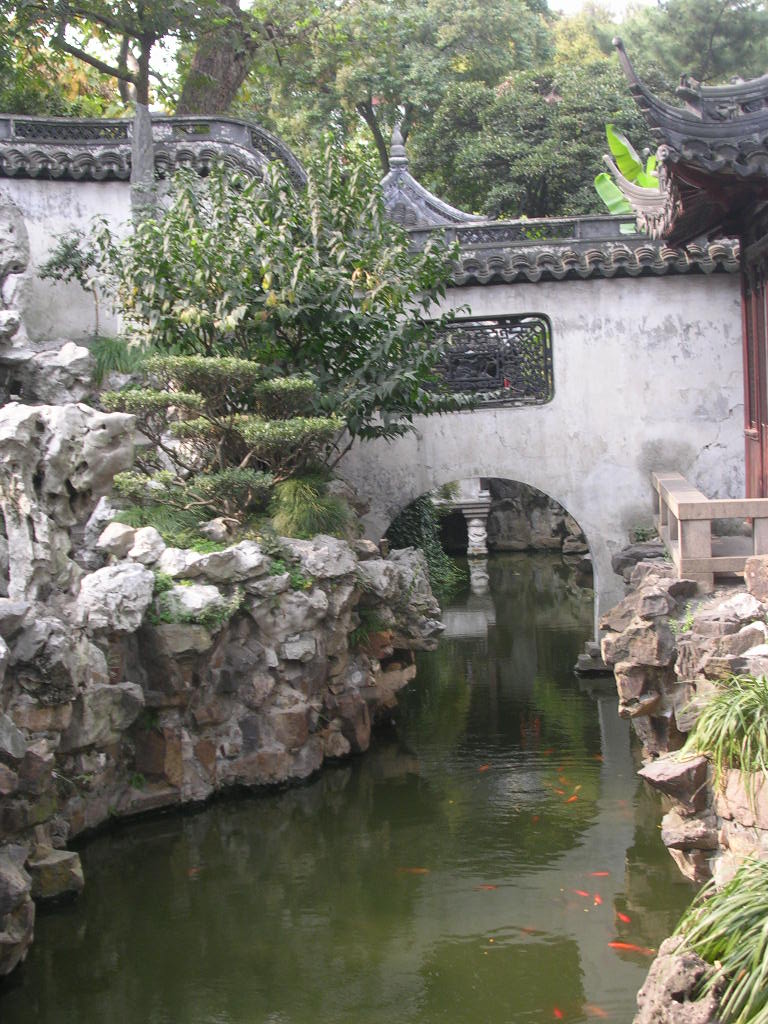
(53, 311)
(647, 376)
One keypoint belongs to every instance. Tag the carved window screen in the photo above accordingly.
(508, 359)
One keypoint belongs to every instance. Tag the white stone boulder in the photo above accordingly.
(322, 557)
(117, 539)
(148, 546)
(233, 564)
(192, 603)
(53, 461)
(115, 597)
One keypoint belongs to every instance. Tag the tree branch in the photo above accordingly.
(123, 74)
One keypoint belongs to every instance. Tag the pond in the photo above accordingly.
(473, 867)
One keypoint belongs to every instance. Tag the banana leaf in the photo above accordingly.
(628, 161)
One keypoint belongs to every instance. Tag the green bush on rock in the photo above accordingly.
(728, 928)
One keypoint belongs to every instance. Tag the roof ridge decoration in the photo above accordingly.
(407, 201)
(720, 135)
(720, 128)
(100, 149)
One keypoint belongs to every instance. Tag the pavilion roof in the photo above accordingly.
(713, 157)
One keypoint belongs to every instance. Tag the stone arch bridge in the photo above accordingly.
(609, 355)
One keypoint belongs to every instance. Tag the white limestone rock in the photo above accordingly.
(117, 539)
(53, 461)
(323, 557)
(179, 563)
(191, 603)
(148, 546)
(59, 375)
(233, 564)
(115, 597)
(101, 516)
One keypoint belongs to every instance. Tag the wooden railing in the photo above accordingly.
(684, 518)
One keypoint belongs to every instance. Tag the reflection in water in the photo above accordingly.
(472, 867)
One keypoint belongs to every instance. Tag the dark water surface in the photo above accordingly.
(470, 869)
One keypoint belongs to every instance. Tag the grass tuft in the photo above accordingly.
(732, 730)
(728, 928)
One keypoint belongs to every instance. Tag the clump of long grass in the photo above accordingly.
(732, 729)
(728, 928)
(301, 507)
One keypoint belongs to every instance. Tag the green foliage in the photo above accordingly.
(418, 525)
(712, 40)
(732, 729)
(529, 146)
(137, 780)
(163, 583)
(370, 623)
(684, 625)
(176, 507)
(318, 287)
(301, 507)
(728, 928)
(115, 355)
(371, 63)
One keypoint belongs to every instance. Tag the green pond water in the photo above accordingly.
(448, 876)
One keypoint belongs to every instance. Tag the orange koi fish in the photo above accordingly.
(623, 917)
(581, 892)
(535, 818)
(595, 1011)
(630, 947)
(560, 792)
(599, 874)
(485, 888)
(573, 798)
(547, 753)
(414, 871)
(557, 1013)
(483, 767)
(598, 899)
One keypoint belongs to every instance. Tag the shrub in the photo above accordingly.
(318, 282)
(728, 928)
(732, 729)
(302, 508)
(418, 525)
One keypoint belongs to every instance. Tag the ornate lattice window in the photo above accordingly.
(506, 358)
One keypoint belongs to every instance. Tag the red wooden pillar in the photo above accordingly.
(755, 335)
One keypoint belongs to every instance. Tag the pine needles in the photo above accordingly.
(729, 929)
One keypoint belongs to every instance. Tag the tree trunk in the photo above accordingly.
(142, 162)
(220, 65)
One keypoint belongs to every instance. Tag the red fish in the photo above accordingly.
(571, 799)
(483, 767)
(535, 818)
(595, 1011)
(630, 947)
(598, 899)
(581, 892)
(623, 917)
(557, 1013)
(485, 888)
(598, 757)
(414, 871)
(599, 874)
(560, 792)
(546, 753)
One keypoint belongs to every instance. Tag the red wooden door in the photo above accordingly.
(755, 321)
